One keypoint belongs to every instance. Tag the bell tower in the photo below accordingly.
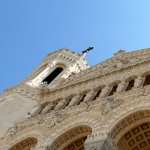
(21, 101)
(56, 68)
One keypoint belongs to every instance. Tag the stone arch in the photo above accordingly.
(44, 134)
(73, 139)
(26, 144)
(62, 65)
(53, 75)
(130, 133)
(29, 132)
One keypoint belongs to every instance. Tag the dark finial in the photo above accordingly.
(87, 50)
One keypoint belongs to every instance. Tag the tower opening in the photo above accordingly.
(52, 75)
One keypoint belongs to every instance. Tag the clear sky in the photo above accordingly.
(29, 29)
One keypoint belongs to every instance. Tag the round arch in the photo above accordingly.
(131, 133)
(73, 139)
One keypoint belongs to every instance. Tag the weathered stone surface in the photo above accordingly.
(80, 106)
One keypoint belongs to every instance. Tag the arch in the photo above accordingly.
(53, 75)
(26, 144)
(137, 138)
(73, 139)
(132, 132)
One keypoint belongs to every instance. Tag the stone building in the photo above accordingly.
(67, 105)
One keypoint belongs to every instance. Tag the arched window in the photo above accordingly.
(26, 144)
(52, 75)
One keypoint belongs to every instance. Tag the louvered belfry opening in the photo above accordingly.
(53, 75)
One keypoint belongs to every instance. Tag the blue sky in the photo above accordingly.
(29, 29)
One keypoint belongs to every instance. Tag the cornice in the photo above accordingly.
(97, 72)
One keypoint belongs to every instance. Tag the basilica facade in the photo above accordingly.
(67, 105)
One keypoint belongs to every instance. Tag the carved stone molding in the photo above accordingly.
(123, 126)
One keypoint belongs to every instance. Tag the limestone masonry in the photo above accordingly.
(67, 105)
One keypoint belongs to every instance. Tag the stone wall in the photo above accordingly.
(99, 100)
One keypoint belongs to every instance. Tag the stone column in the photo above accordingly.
(61, 104)
(44, 144)
(41, 147)
(75, 100)
(90, 95)
(105, 91)
(122, 86)
(94, 143)
(139, 82)
(108, 145)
